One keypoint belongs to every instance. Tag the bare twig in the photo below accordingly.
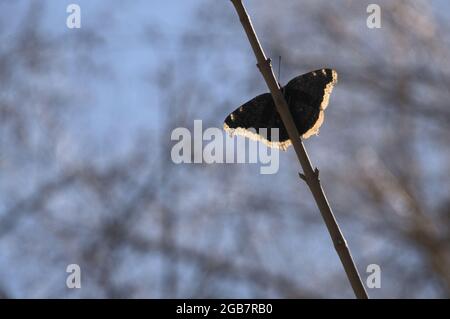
(310, 175)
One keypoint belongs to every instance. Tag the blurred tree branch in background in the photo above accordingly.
(140, 226)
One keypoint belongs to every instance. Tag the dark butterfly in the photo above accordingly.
(307, 96)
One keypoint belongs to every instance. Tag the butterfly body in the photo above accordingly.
(307, 97)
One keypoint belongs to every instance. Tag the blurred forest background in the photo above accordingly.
(86, 175)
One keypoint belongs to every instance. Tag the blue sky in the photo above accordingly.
(118, 95)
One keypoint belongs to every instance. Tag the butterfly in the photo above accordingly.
(307, 96)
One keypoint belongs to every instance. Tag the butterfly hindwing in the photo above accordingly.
(307, 96)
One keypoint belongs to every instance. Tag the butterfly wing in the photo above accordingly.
(252, 117)
(307, 96)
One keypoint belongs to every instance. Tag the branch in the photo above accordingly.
(309, 175)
